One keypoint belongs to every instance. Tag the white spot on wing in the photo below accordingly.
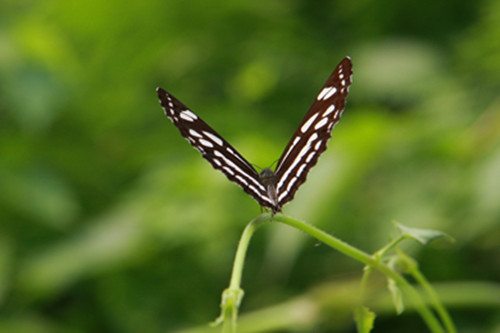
(321, 123)
(291, 183)
(188, 115)
(206, 143)
(330, 109)
(330, 93)
(282, 195)
(324, 92)
(317, 145)
(241, 179)
(228, 170)
(302, 167)
(194, 133)
(310, 157)
(214, 138)
(308, 123)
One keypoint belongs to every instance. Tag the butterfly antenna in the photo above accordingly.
(275, 162)
(257, 167)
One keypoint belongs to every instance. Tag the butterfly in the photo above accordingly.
(271, 189)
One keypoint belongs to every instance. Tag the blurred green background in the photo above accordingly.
(111, 222)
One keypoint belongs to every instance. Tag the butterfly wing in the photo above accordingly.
(312, 135)
(217, 151)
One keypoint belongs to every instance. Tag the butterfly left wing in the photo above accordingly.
(221, 155)
(312, 135)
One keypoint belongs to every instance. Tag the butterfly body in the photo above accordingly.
(271, 189)
(268, 179)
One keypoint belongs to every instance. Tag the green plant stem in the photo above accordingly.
(367, 271)
(377, 256)
(431, 294)
(370, 261)
(232, 296)
(241, 252)
(383, 251)
(434, 299)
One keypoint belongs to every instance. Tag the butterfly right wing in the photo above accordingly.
(217, 151)
(311, 137)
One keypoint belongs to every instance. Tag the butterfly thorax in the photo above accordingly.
(268, 178)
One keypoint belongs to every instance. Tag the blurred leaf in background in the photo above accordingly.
(111, 222)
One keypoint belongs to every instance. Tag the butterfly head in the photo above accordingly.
(267, 177)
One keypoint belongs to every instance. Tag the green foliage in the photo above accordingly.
(423, 236)
(364, 319)
(397, 296)
(110, 222)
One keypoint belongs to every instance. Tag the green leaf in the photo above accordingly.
(397, 296)
(364, 319)
(423, 236)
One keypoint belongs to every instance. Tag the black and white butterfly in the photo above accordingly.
(271, 189)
